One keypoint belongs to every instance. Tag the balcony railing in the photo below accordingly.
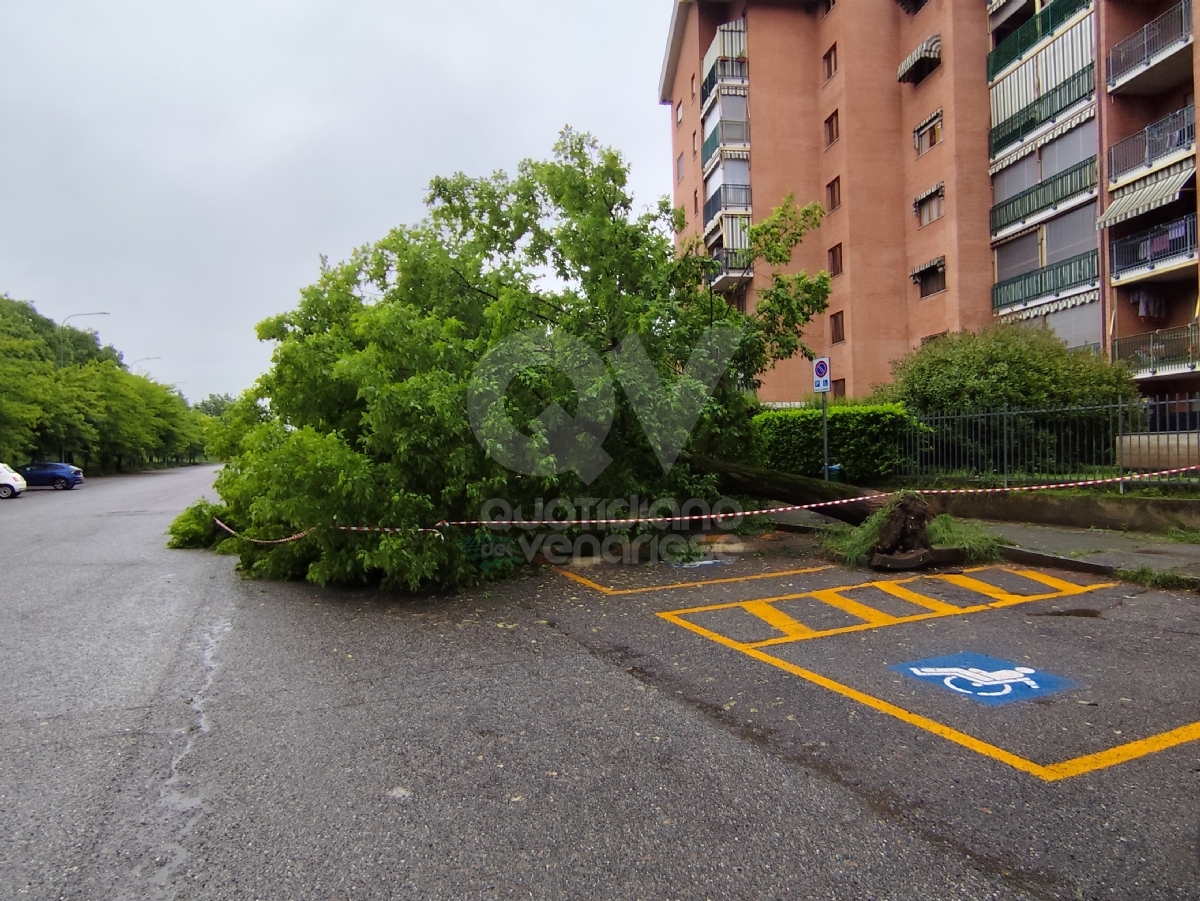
(1169, 348)
(1061, 97)
(728, 197)
(728, 131)
(1042, 25)
(1137, 51)
(1047, 281)
(1045, 195)
(723, 70)
(1154, 246)
(1165, 137)
(733, 260)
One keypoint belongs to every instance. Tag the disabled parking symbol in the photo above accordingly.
(985, 679)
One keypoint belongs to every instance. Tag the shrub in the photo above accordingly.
(864, 440)
(194, 527)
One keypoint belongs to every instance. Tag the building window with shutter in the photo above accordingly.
(931, 208)
(837, 328)
(830, 61)
(679, 168)
(679, 113)
(928, 135)
(831, 129)
(833, 195)
(835, 260)
(839, 388)
(930, 278)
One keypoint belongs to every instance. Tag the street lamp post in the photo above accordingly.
(62, 331)
(142, 360)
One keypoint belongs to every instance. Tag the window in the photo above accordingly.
(837, 328)
(827, 7)
(839, 388)
(835, 260)
(833, 195)
(929, 135)
(693, 87)
(679, 168)
(696, 201)
(932, 280)
(830, 60)
(931, 208)
(679, 113)
(831, 129)
(695, 144)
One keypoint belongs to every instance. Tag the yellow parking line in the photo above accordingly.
(854, 608)
(1123, 753)
(777, 619)
(677, 585)
(896, 589)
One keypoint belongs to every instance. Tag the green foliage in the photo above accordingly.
(1160, 581)
(863, 439)
(215, 404)
(194, 527)
(91, 407)
(362, 418)
(855, 546)
(1007, 365)
(969, 535)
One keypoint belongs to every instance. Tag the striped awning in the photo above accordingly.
(939, 188)
(939, 263)
(921, 60)
(1142, 197)
(1057, 305)
(1057, 132)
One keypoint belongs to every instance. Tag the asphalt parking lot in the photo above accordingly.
(1047, 724)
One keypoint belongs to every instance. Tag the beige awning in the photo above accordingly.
(922, 60)
(1143, 198)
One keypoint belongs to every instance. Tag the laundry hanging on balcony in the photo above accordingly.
(1149, 304)
(1146, 195)
(921, 61)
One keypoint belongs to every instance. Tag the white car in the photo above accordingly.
(11, 483)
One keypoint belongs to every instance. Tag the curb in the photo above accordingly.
(1037, 558)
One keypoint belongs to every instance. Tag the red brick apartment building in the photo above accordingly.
(959, 147)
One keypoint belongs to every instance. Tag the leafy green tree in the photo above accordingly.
(1020, 367)
(215, 404)
(363, 416)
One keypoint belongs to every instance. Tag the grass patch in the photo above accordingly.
(854, 546)
(970, 535)
(1184, 536)
(1151, 578)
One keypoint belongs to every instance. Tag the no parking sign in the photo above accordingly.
(821, 376)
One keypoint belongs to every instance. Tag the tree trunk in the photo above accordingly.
(750, 481)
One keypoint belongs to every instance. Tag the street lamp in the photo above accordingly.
(62, 330)
(143, 360)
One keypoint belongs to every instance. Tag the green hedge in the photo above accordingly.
(864, 440)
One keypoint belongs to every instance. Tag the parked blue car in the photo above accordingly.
(61, 476)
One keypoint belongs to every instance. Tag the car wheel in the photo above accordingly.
(60, 484)
(6, 492)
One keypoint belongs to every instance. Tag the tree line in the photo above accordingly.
(63, 395)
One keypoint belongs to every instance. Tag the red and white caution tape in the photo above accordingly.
(713, 517)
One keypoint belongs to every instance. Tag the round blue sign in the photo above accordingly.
(822, 369)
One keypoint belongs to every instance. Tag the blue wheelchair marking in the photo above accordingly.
(985, 679)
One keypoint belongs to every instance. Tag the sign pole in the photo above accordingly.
(825, 430)
(822, 385)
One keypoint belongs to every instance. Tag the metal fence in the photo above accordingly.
(1023, 447)
(1168, 135)
(1171, 29)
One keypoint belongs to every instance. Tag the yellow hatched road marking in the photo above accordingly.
(777, 619)
(674, 586)
(854, 608)
(896, 589)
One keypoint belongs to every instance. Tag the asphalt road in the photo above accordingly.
(172, 731)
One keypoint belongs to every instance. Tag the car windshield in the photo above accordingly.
(4, 468)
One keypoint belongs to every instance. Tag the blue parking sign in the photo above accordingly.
(985, 679)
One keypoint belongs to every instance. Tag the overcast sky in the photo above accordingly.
(183, 165)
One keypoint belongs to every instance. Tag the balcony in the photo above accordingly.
(1169, 351)
(1047, 282)
(727, 197)
(1046, 196)
(1156, 253)
(1155, 58)
(723, 70)
(728, 131)
(736, 266)
(1165, 140)
(1044, 24)
(1045, 109)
